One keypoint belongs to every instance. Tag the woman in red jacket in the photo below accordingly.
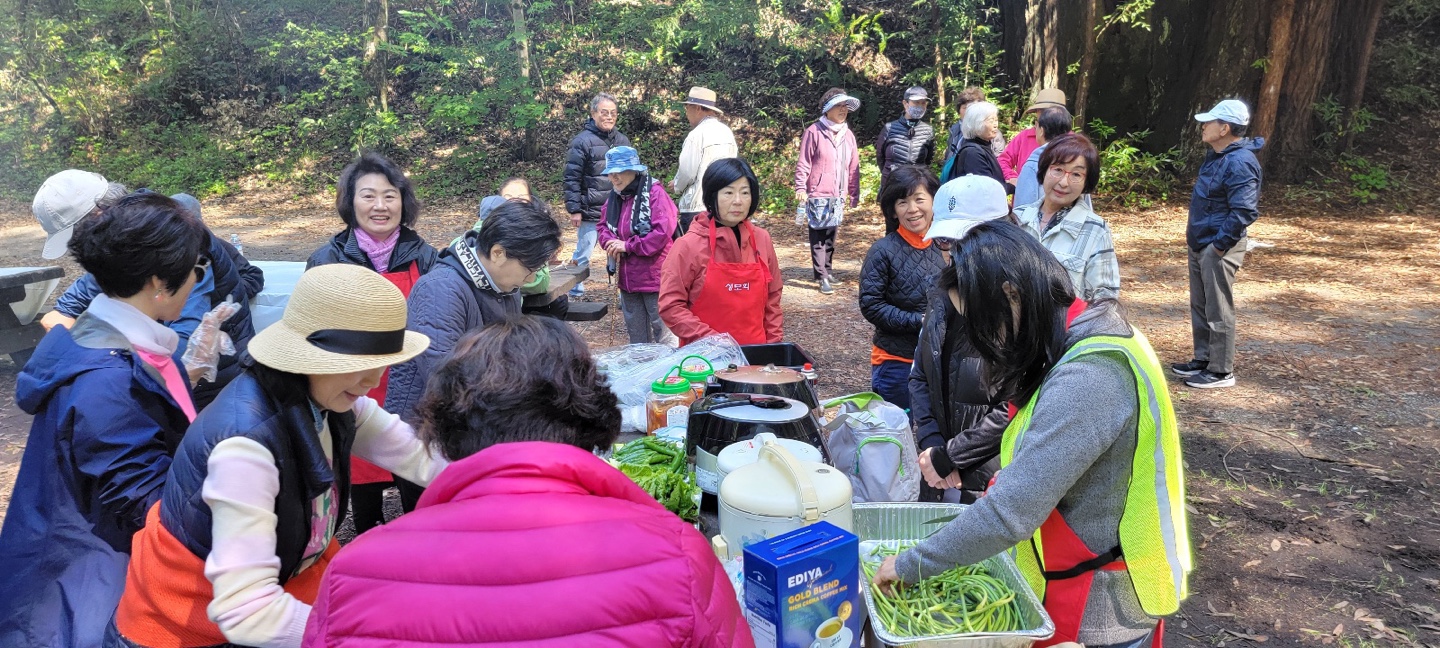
(527, 537)
(722, 275)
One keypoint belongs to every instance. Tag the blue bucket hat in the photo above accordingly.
(623, 158)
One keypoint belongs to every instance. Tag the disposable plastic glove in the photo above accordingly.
(208, 342)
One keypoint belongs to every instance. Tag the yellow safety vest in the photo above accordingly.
(1154, 533)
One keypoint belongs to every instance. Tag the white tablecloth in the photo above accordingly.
(280, 278)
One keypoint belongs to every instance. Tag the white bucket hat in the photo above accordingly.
(341, 318)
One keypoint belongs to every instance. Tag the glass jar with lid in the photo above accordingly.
(669, 402)
(697, 370)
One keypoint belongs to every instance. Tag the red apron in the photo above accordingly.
(734, 295)
(361, 471)
(1069, 565)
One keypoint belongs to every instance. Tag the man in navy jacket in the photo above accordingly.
(1224, 204)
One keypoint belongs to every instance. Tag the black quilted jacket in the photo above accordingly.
(949, 399)
(904, 142)
(586, 187)
(894, 282)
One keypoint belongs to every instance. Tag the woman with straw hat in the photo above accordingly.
(246, 524)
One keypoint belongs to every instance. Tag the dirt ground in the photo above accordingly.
(1312, 483)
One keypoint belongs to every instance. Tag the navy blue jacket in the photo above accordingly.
(444, 305)
(101, 442)
(289, 430)
(586, 186)
(1227, 196)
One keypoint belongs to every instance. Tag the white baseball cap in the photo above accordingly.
(965, 202)
(1233, 111)
(61, 202)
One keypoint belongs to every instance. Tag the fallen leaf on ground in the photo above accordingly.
(1252, 563)
(1275, 545)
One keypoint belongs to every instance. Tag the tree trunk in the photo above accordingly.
(375, 60)
(1295, 119)
(530, 147)
(1263, 124)
(936, 29)
(1087, 58)
(1356, 94)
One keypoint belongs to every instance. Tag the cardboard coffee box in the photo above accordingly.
(802, 589)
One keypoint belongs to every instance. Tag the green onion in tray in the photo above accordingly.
(966, 599)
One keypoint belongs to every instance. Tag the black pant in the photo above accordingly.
(822, 250)
(684, 226)
(409, 494)
(367, 505)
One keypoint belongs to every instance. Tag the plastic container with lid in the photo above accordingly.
(698, 374)
(669, 402)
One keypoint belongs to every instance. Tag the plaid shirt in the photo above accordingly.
(1081, 241)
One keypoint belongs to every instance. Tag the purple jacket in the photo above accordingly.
(639, 268)
(818, 171)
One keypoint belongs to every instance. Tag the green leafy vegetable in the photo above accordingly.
(966, 599)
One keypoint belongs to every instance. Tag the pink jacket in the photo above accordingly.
(531, 542)
(818, 171)
(1016, 153)
(639, 267)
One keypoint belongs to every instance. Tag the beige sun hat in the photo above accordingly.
(703, 97)
(341, 318)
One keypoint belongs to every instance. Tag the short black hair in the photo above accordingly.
(375, 163)
(139, 236)
(720, 174)
(524, 230)
(1238, 130)
(1064, 150)
(899, 184)
(524, 378)
(991, 256)
(1054, 121)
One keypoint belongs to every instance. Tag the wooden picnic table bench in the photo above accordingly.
(562, 280)
(16, 292)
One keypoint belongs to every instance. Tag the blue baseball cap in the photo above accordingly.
(623, 158)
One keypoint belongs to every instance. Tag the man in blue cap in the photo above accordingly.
(1225, 203)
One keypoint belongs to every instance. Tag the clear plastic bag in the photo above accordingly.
(632, 368)
(208, 343)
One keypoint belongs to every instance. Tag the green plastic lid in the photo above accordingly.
(671, 384)
(696, 372)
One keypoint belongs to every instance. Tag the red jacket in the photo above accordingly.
(532, 542)
(683, 276)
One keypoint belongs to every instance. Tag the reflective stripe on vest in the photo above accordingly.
(1154, 533)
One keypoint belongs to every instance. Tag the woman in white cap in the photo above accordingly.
(958, 418)
(827, 175)
(246, 525)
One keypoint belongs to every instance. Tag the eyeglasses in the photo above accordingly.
(1056, 173)
(201, 267)
(608, 113)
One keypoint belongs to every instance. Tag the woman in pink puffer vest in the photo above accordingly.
(527, 537)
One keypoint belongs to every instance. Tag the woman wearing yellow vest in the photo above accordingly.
(1090, 496)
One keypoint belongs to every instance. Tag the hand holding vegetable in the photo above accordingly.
(886, 577)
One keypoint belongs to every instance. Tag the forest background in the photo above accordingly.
(217, 97)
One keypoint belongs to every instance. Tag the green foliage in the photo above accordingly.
(1338, 124)
(1130, 174)
(1405, 70)
(1369, 180)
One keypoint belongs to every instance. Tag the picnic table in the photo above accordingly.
(23, 292)
(280, 278)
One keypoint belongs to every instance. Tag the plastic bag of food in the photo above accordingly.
(632, 368)
(208, 342)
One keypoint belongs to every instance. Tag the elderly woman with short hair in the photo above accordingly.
(980, 126)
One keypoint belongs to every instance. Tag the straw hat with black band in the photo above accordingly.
(341, 318)
(703, 97)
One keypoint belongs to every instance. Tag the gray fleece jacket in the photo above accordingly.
(1076, 458)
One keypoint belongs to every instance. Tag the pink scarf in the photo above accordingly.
(378, 250)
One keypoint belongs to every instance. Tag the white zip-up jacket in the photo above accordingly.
(710, 140)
